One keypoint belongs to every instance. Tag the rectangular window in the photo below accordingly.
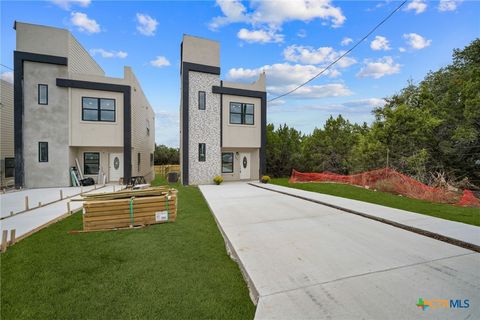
(201, 100)
(91, 162)
(151, 159)
(43, 152)
(148, 128)
(241, 113)
(98, 109)
(42, 94)
(138, 160)
(227, 162)
(9, 167)
(202, 152)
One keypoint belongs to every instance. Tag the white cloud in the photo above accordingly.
(319, 91)
(109, 54)
(322, 55)
(418, 6)
(146, 24)
(283, 77)
(275, 13)
(67, 4)
(7, 76)
(402, 49)
(261, 36)
(449, 5)
(379, 68)
(349, 107)
(84, 23)
(380, 43)
(346, 41)
(169, 123)
(416, 41)
(302, 33)
(160, 62)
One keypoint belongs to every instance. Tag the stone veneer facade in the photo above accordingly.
(204, 127)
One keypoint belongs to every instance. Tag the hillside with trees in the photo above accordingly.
(428, 130)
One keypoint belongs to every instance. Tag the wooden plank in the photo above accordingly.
(12, 236)
(122, 216)
(107, 203)
(157, 207)
(106, 211)
(4, 244)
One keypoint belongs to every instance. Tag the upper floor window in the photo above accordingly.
(98, 109)
(43, 94)
(202, 152)
(202, 100)
(148, 128)
(241, 113)
(43, 152)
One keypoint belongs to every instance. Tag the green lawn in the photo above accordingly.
(171, 271)
(444, 211)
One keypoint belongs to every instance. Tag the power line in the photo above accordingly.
(343, 55)
(1, 64)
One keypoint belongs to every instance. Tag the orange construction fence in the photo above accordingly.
(389, 180)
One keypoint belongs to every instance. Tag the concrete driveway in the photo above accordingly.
(307, 261)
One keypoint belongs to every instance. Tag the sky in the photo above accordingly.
(291, 41)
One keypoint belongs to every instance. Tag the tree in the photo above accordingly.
(166, 155)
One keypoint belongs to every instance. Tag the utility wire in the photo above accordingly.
(1, 64)
(343, 55)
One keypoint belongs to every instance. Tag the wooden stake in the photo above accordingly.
(94, 187)
(39, 204)
(11, 213)
(4, 240)
(68, 207)
(113, 188)
(26, 202)
(12, 236)
(61, 194)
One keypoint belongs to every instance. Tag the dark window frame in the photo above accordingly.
(90, 162)
(204, 100)
(202, 157)
(41, 85)
(139, 160)
(44, 143)
(9, 169)
(242, 113)
(233, 162)
(99, 109)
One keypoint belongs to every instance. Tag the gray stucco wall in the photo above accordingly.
(204, 127)
(47, 123)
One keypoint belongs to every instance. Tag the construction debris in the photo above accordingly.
(129, 208)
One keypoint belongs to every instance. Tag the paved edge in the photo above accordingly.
(252, 290)
(437, 236)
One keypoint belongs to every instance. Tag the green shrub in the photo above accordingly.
(218, 180)
(265, 179)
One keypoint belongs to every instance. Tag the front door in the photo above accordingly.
(116, 166)
(244, 166)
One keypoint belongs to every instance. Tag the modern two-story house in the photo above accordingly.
(7, 160)
(67, 113)
(222, 124)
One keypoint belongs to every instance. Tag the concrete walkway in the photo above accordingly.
(25, 223)
(308, 261)
(14, 201)
(451, 229)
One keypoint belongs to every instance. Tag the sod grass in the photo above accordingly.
(439, 210)
(169, 271)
